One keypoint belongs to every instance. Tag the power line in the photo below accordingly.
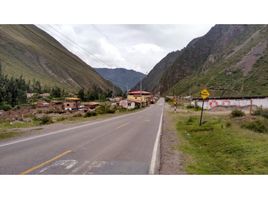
(66, 39)
(103, 34)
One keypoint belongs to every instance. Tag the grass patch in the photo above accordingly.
(5, 134)
(221, 146)
(256, 126)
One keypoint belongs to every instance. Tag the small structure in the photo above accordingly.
(127, 104)
(142, 97)
(44, 95)
(56, 105)
(71, 103)
(86, 106)
(42, 104)
(232, 102)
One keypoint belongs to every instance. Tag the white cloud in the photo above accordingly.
(137, 47)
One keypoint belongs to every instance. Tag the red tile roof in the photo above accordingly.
(139, 92)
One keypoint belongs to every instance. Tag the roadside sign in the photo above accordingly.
(204, 94)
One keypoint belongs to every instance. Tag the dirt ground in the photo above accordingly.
(171, 160)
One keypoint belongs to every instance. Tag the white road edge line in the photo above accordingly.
(156, 143)
(67, 129)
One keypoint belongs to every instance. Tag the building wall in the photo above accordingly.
(71, 105)
(142, 98)
(211, 103)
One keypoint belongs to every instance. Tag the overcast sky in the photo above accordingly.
(137, 47)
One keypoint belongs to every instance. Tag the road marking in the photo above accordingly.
(156, 143)
(68, 129)
(122, 125)
(45, 163)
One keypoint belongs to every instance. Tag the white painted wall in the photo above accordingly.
(233, 102)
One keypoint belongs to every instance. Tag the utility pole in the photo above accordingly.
(113, 91)
(140, 93)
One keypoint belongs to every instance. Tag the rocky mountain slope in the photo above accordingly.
(28, 51)
(228, 60)
(123, 78)
(151, 81)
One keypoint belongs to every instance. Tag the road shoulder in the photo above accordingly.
(171, 159)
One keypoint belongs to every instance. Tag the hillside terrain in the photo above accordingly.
(151, 81)
(229, 60)
(123, 78)
(28, 51)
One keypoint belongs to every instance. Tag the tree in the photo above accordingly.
(81, 94)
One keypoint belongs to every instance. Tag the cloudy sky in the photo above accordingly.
(137, 47)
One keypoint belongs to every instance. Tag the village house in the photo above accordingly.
(86, 106)
(127, 104)
(42, 104)
(56, 105)
(140, 97)
(71, 103)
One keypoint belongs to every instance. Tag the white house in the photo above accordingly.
(127, 104)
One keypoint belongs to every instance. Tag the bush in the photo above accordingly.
(100, 109)
(77, 115)
(256, 126)
(237, 113)
(5, 107)
(190, 121)
(228, 124)
(45, 120)
(189, 106)
(261, 112)
(89, 114)
(111, 111)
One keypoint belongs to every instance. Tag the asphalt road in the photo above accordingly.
(120, 145)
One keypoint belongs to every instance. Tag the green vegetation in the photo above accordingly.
(90, 114)
(261, 112)
(8, 134)
(256, 125)
(221, 145)
(237, 113)
(29, 51)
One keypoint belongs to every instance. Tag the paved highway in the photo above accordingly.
(125, 144)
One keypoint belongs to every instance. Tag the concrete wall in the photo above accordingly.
(239, 103)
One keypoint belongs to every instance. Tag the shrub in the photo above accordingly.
(264, 113)
(89, 114)
(45, 120)
(189, 106)
(59, 119)
(190, 121)
(77, 115)
(237, 113)
(261, 112)
(228, 124)
(110, 110)
(5, 107)
(100, 109)
(256, 126)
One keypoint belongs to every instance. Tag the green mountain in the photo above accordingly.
(123, 78)
(28, 51)
(228, 60)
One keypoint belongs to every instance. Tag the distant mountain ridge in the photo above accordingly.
(230, 60)
(152, 80)
(121, 77)
(29, 51)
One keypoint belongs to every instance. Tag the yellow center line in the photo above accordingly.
(122, 125)
(45, 163)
